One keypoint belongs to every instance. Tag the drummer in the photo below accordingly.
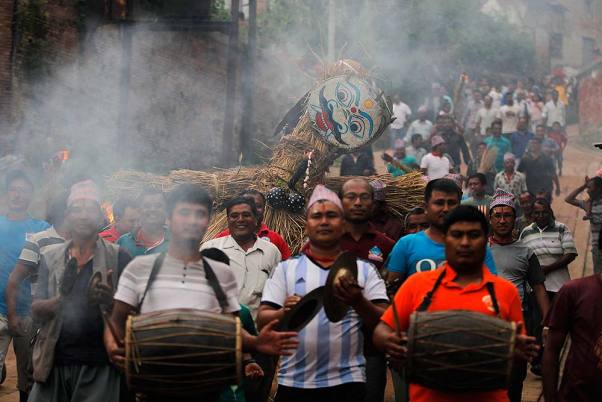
(329, 364)
(69, 359)
(181, 281)
(459, 284)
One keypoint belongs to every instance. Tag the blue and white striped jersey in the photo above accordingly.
(329, 354)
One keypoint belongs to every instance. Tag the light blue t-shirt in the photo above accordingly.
(418, 252)
(12, 239)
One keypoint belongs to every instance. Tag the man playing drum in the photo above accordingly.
(462, 283)
(183, 281)
(329, 365)
(69, 359)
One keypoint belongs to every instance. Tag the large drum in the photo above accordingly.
(182, 352)
(459, 350)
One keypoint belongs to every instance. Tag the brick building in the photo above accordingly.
(589, 96)
(566, 33)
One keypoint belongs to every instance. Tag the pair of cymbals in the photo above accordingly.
(324, 296)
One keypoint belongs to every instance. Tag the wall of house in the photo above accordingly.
(590, 93)
(6, 17)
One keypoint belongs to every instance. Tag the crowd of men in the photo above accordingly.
(513, 135)
(67, 329)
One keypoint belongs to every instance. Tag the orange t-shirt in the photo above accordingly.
(450, 296)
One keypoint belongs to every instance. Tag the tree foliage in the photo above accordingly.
(408, 40)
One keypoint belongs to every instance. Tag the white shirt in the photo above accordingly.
(251, 268)
(401, 111)
(329, 353)
(554, 113)
(509, 116)
(177, 285)
(419, 127)
(485, 117)
(436, 166)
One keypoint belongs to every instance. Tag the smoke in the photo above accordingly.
(167, 110)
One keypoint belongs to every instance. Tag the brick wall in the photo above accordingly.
(6, 16)
(590, 93)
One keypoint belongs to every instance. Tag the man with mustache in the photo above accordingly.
(69, 359)
(329, 365)
(364, 241)
(251, 259)
(517, 263)
(263, 232)
(151, 237)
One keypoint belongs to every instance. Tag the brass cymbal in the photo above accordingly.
(345, 264)
(303, 312)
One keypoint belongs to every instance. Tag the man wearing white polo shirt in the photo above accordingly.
(251, 259)
(329, 365)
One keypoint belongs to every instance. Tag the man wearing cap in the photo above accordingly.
(517, 263)
(329, 364)
(509, 179)
(435, 164)
(69, 359)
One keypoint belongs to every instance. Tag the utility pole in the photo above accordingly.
(331, 29)
(247, 130)
(228, 134)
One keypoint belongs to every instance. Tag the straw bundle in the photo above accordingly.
(402, 193)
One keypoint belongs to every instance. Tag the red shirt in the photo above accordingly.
(450, 296)
(373, 246)
(269, 235)
(577, 312)
(111, 234)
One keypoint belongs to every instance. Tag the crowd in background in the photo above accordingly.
(497, 150)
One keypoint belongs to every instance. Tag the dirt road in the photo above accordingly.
(579, 161)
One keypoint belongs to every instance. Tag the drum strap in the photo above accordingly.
(214, 283)
(426, 302)
(209, 275)
(151, 278)
(491, 290)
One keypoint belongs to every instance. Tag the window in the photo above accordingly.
(556, 45)
(588, 51)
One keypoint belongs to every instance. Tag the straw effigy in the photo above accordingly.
(402, 193)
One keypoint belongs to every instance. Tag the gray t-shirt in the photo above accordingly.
(517, 263)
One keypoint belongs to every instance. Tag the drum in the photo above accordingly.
(459, 350)
(182, 352)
